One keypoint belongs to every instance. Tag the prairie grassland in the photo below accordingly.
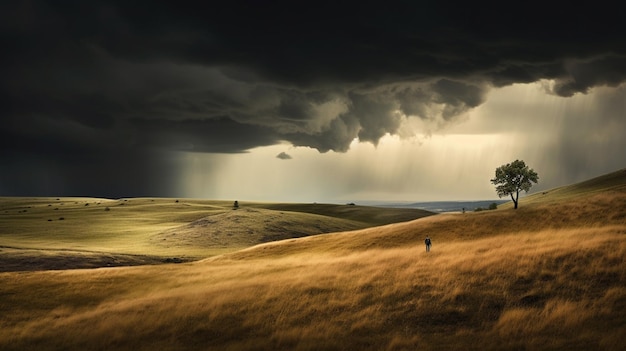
(93, 224)
(543, 277)
(86, 232)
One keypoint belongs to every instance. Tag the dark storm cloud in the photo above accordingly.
(100, 77)
(213, 135)
(584, 75)
(457, 97)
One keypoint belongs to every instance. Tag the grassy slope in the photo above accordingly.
(611, 182)
(91, 232)
(549, 275)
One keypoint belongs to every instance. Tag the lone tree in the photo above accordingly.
(512, 178)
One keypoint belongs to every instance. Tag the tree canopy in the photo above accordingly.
(512, 178)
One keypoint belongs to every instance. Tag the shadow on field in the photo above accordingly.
(19, 260)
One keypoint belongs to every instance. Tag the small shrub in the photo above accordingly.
(107, 209)
(492, 206)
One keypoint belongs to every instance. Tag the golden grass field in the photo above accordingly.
(547, 276)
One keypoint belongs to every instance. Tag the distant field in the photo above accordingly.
(56, 233)
(548, 276)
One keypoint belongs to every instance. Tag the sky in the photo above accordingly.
(306, 101)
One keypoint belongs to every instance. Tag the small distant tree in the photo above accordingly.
(512, 178)
(236, 205)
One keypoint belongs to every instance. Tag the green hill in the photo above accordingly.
(58, 233)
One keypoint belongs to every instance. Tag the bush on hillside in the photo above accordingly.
(492, 206)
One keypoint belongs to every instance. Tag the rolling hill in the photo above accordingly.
(61, 233)
(547, 276)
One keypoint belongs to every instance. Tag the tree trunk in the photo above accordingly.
(514, 198)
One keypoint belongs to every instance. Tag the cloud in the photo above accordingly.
(284, 156)
(583, 75)
(225, 77)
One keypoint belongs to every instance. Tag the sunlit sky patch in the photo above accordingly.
(454, 163)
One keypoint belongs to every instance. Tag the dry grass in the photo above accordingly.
(544, 277)
(495, 293)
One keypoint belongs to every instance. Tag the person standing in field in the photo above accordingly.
(427, 242)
